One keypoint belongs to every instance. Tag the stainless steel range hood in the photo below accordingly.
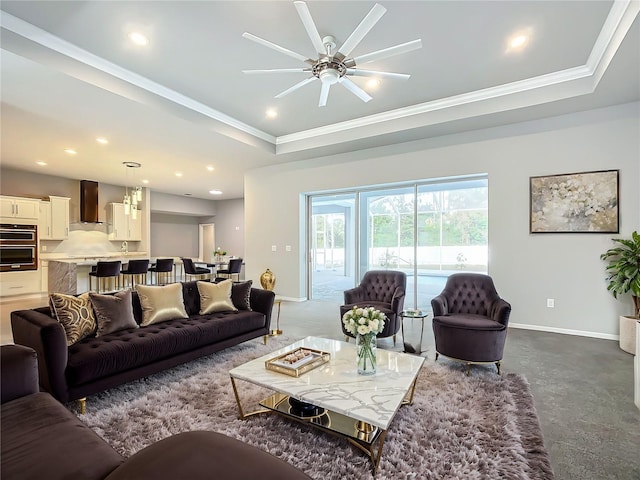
(89, 201)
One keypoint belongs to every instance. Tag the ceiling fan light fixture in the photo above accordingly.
(329, 76)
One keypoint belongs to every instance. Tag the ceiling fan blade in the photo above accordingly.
(310, 27)
(275, 47)
(384, 53)
(324, 94)
(356, 90)
(356, 72)
(362, 29)
(279, 70)
(295, 87)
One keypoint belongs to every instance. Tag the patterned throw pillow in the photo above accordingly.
(75, 314)
(241, 295)
(161, 303)
(215, 297)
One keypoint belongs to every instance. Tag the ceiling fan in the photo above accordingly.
(333, 66)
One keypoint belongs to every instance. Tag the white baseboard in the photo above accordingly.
(290, 299)
(565, 331)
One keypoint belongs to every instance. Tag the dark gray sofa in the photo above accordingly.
(95, 364)
(41, 439)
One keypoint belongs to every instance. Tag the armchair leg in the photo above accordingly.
(498, 365)
(437, 355)
(346, 337)
(394, 340)
(468, 369)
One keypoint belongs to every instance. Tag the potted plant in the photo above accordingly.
(624, 277)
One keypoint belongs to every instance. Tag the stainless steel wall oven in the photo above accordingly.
(18, 247)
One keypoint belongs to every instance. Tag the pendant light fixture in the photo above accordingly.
(130, 202)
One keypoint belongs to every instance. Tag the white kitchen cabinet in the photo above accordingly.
(124, 227)
(19, 283)
(19, 208)
(54, 219)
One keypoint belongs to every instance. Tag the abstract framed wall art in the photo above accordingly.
(584, 202)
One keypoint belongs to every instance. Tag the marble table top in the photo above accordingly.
(336, 385)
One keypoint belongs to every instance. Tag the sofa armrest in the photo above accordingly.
(354, 295)
(439, 305)
(500, 311)
(200, 455)
(46, 336)
(262, 301)
(397, 301)
(18, 372)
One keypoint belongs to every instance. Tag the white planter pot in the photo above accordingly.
(637, 367)
(628, 334)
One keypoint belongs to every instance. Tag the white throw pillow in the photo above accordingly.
(161, 303)
(215, 297)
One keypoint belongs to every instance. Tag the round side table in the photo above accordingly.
(408, 348)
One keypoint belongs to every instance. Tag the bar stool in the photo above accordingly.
(163, 265)
(235, 265)
(191, 270)
(106, 270)
(136, 269)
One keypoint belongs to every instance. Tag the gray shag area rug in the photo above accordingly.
(478, 427)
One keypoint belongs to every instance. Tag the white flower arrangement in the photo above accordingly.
(363, 320)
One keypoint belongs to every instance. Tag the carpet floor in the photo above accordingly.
(478, 427)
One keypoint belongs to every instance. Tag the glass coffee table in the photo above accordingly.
(332, 396)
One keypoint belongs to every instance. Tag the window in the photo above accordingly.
(428, 230)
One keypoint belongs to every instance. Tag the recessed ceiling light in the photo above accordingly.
(518, 41)
(272, 113)
(41, 163)
(210, 168)
(145, 181)
(178, 174)
(215, 192)
(139, 39)
(70, 151)
(102, 140)
(373, 83)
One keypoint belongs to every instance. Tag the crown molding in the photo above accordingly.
(615, 27)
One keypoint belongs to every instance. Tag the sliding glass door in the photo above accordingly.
(332, 240)
(428, 230)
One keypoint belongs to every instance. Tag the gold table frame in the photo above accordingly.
(364, 436)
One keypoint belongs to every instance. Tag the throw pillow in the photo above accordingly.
(75, 314)
(161, 303)
(215, 297)
(241, 295)
(113, 312)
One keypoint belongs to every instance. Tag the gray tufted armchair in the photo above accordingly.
(470, 320)
(383, 290)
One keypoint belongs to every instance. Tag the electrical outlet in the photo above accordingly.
(274, 248)
(44, 248)
(551, 303)
(287, 248)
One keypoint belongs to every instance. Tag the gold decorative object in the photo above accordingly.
(309, 359)
(268, 280)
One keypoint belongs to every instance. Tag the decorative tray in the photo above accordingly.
(298, 361)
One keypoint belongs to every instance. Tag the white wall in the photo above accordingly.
(229, 222)
(526, 268)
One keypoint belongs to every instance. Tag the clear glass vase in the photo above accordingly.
(366, 348)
